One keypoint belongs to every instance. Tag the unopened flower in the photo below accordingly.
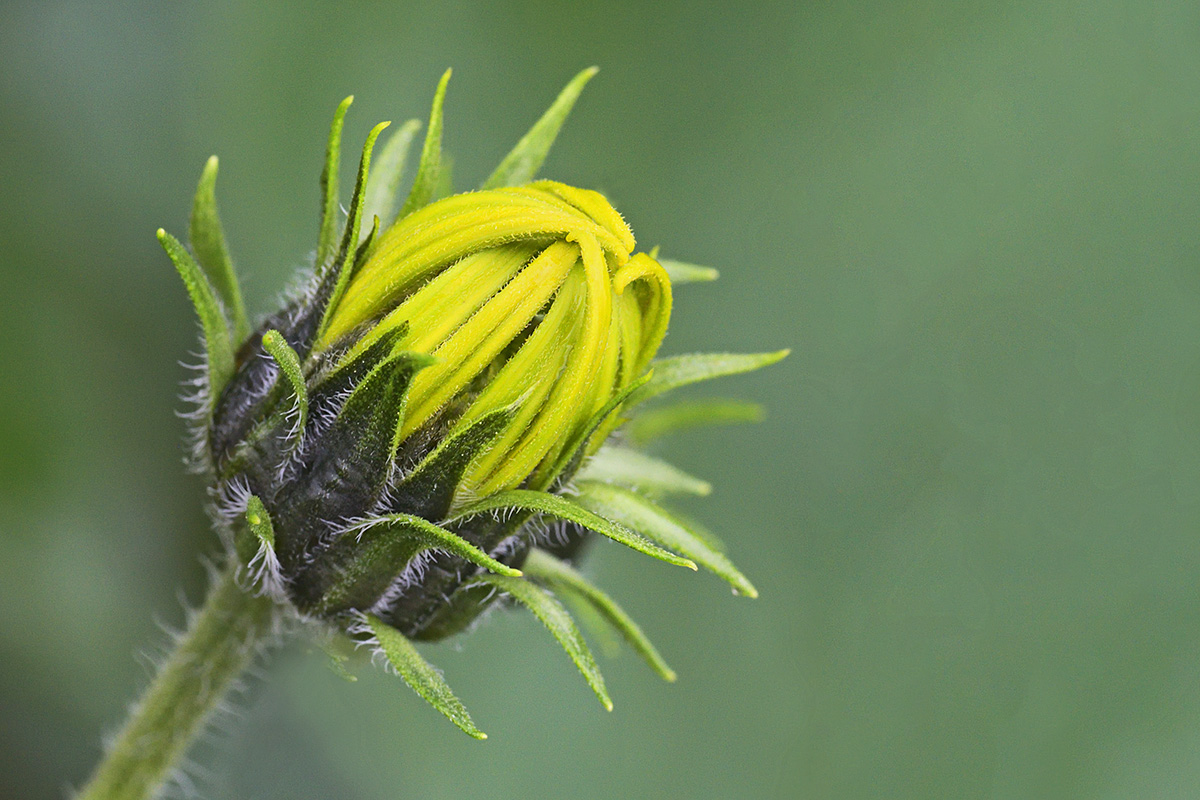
(434, 423)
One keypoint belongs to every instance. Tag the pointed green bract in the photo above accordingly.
(384, 182)
(383, 547)
(554, 505)
(445, 177)
(349, 243)
(327, 237)
(431, 485)
(672, 373)
(426, 181)
(523, 162)
(682, 272)
(434, 537)
(599, 630)
(366, 242)
(636, 470)
(658, 422)
(422, 677)
(289, 364)
(562, 578)
(337, 664)
(208, 243)
(635, 511)
(559, 623)
(212, 319)
(572, 455)
(260, 522)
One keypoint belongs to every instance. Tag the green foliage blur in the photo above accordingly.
(971, 511)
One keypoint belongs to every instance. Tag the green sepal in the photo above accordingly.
(386, 173)
(683, 272)
(631, 509)
(349, 243)
(421, 676)
(559, 623)
(383, 547)
(429, 488)
(672, 373)
(337, 663)
(365, 245)
(554, 505)
(219, 349)
(598, 629)
(426, 181)
(573, 454)
(327, 236)
(634, 469)
(655, 423)
(563, 579)
(208, 243)
(375, 408)
(259, 522)
(445, 178)
(289, 365)
(526, 158)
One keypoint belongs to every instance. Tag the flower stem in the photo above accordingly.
(219, 644)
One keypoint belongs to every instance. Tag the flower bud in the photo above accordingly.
(392, 447)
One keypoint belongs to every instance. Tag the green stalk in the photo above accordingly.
(216, 648)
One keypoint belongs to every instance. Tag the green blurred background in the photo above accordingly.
(972, 512)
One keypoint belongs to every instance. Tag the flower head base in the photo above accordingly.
(392, 452)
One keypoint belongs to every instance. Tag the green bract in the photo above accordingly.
(436, 411)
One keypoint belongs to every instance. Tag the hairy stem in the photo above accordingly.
(218, 645)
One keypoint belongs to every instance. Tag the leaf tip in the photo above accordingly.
(746, 589)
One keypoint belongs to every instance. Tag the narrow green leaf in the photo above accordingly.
(260, 522)
(564, 508)
(445, 182)
(337, 665)
(682, 272)
(376, 550)
(428, 489)
(437, 538)
(559, 623)
(208, 243)
(655, 423)
(636, 470)
(572, 455)
(327, 237)
(672, 373)
(425, 184)
(641, 515)
(384, 182)
(421, 676)
(562, 578)
(598, 629)
(365, 244)
(208, 308)
(348, 248)
(289, 365)
(523, 162)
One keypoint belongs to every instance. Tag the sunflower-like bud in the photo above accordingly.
(428, 427)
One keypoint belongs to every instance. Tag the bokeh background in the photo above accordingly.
(972, 511)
